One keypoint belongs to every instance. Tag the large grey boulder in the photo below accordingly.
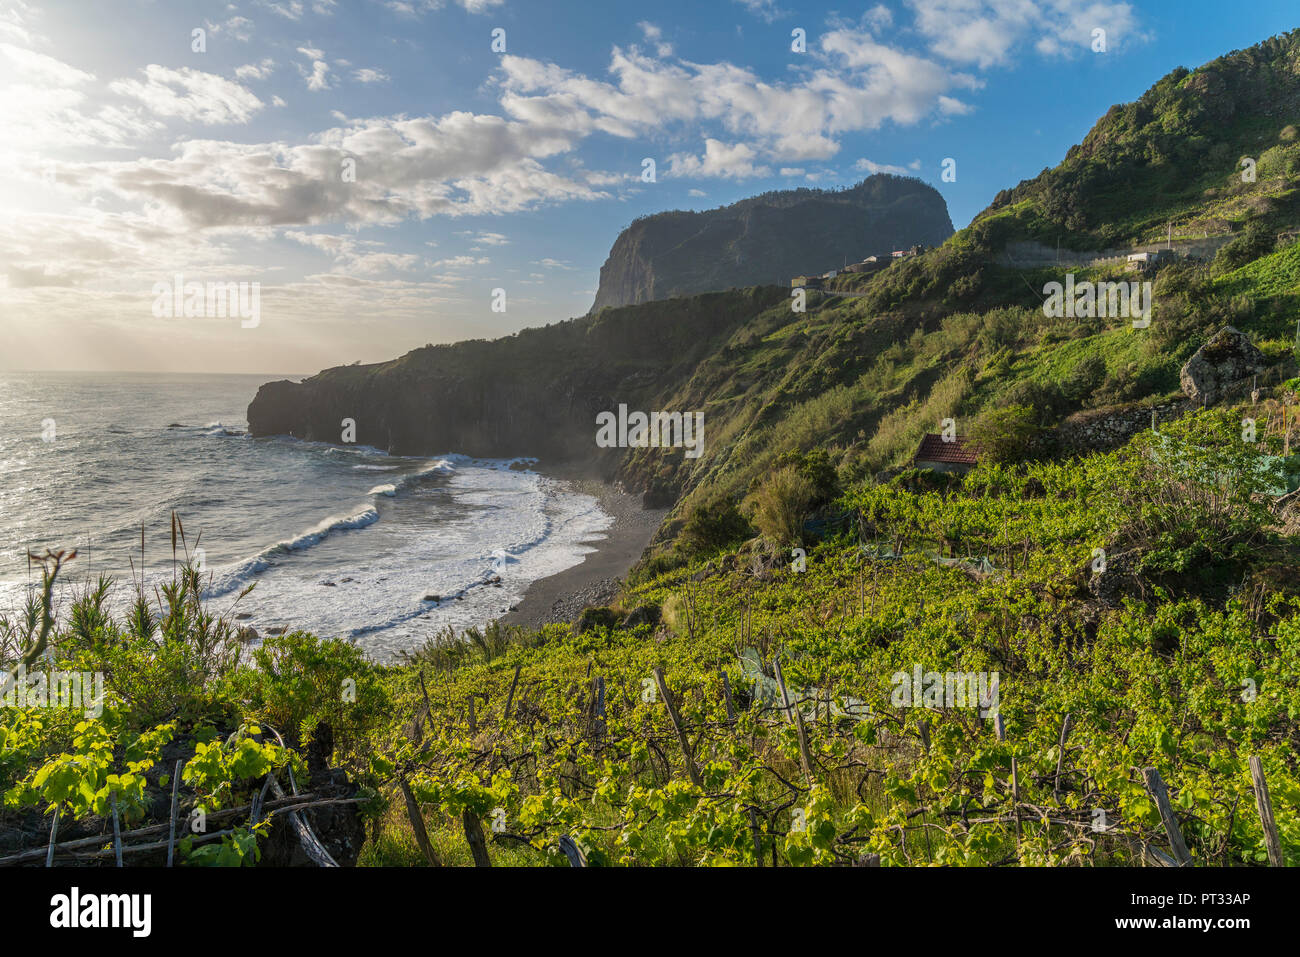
(1221, 367)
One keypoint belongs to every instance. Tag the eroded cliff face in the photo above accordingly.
(536, 393)
(769, 239)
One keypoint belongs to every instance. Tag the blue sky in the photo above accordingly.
(132, 156)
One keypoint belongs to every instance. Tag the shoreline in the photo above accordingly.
(598, 578)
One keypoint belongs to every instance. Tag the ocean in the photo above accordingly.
(344, 541)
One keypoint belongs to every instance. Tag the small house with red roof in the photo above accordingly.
(956, 454)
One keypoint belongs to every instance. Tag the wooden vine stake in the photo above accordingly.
(1265, 807)
(117, 830)
(758, 840)
(1159, 794)
(726, 698)
(805, 757)
(1001, 727)
(171, 821)
(54, 837)
(510, 698)
(676, 719)
(417, 823)
(474, 836)
(1060, 753)
(600, 706)
(572, 851)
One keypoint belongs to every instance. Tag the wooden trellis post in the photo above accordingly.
(417, 823)
(805, 756)
(1001, 727)
(1060, 755)
(171, 826)
(726, 697)
(474, 837)
(676, 719)
(1265, 807)
(54, 837)
(1156, 788)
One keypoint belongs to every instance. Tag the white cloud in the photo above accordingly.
(190, 95)
(41, 69)
(949, 106)
(415, 8)
(854, 84)
(367, 75)
(458, 164)
(766, 10)
(986, 32)
(334, 245)
(865, 165)
(45, 117)
(879, 17)
(655, 35)
(729, 161)
(461, 262)
(241, 28)
(290, 10)
(12, 18)
(255, 71)
(318, 76)
(353, 256)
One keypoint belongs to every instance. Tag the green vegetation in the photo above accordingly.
(1180, 147)
(1185, 634)
(742, 703)
(1005, 435)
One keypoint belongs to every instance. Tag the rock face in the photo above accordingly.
(1221, 368)
(769, 239)
(534, 394)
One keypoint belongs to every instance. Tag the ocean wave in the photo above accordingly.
(212, 428)
(238, 575)
(332, 449)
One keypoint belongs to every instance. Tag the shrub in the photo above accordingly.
(648, 569)
(713, 525)
(1191, 501)
(817, 468)
(1087, 374)
(781, 504)
(1254, 241)
(301, 680)
(1045, 399)
(1005, 435)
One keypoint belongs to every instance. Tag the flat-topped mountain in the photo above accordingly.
(769, 238)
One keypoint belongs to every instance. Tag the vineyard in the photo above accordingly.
(1089, 662)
